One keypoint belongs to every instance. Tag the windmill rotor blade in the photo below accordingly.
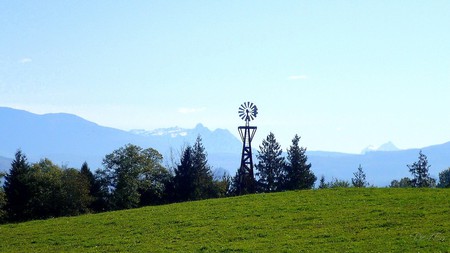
(247, 111)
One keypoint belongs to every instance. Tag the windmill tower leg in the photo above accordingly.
(246, 174)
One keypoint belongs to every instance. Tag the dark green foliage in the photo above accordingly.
(75, 193)
(3, 213)
(45, 184)
(87, 175)
(403, 183)
(359, 178)
(444, 179)
(98, 198)
(223, 186)
(270, 165)
(334, 183)
(419, 170)
(185, 176)
(17, 188)
(204, 179)
(323, 184)
(193, 178)
(101, 193)
(129, 172)
(242, 183)
(298, 174)
(153, 185)
(44, 190)
(338, 183)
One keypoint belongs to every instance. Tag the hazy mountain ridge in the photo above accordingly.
(5, 163)
(70, 140)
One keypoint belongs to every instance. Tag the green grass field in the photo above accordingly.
(332, 220)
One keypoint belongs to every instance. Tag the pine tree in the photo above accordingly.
(420, 172)
(204, 178)
(323, 184)
(270, 165)
(193, 177)
(185, 176)
(16, 187)
(87, 175)
(359, 179)
(298, 174)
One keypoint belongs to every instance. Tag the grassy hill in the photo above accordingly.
(336, 220)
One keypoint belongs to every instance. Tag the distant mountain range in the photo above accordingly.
(69, 140)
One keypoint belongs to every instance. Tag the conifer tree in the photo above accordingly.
(204, 178)
(16, 187)
(298, 174)
(322, 183)
(420, 172)
(184, 176)
(193, 178)
(359, 179)
(270, 165)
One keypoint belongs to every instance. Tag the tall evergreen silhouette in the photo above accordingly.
(270, 165)
(298, 174)
(193, 177)
(16, 187)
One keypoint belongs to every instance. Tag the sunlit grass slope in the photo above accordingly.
(336, 220)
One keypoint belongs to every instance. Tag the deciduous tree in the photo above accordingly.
(128, 171)
(45, 186)
(403, 183)
(444, 178)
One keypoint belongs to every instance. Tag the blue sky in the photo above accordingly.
(341, 74)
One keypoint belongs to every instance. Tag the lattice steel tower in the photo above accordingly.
(247, 112)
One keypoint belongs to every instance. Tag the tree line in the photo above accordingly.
(133, 177)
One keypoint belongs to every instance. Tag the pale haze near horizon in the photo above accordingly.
(341, 74)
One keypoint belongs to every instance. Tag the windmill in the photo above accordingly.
(247, 112)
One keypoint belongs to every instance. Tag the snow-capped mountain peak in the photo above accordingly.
(172, 132)
(388, 146)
